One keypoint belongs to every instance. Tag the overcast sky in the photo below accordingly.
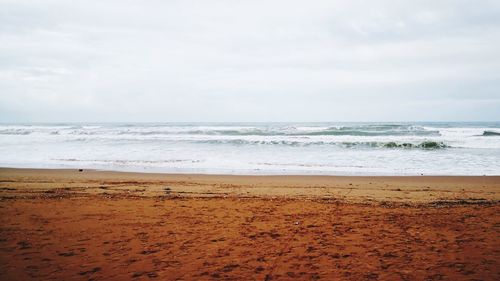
(120, 60)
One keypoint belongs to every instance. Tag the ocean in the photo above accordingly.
(429, 148)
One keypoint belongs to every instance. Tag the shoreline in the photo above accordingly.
(350, 189)
(243, 173)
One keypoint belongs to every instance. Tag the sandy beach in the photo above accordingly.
(249, 140)
(98, 225)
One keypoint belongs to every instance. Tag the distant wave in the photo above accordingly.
(367, 130)
(491, 133)
(358, 130)
(15, 132)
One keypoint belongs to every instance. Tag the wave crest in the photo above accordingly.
(491, 133)
(390, 145)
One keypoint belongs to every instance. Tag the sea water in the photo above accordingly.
(258, 148)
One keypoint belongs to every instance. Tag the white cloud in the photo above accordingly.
(249, 61)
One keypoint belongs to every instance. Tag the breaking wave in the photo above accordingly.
(491, 133)
(360, 144)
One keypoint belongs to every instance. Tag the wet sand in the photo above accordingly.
(90, 225)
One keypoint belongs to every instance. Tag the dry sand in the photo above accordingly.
(92, 225)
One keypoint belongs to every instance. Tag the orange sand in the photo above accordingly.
(70, 225)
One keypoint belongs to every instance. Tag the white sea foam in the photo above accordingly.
(257, 148)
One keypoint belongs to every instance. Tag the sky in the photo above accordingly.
(253, 61)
